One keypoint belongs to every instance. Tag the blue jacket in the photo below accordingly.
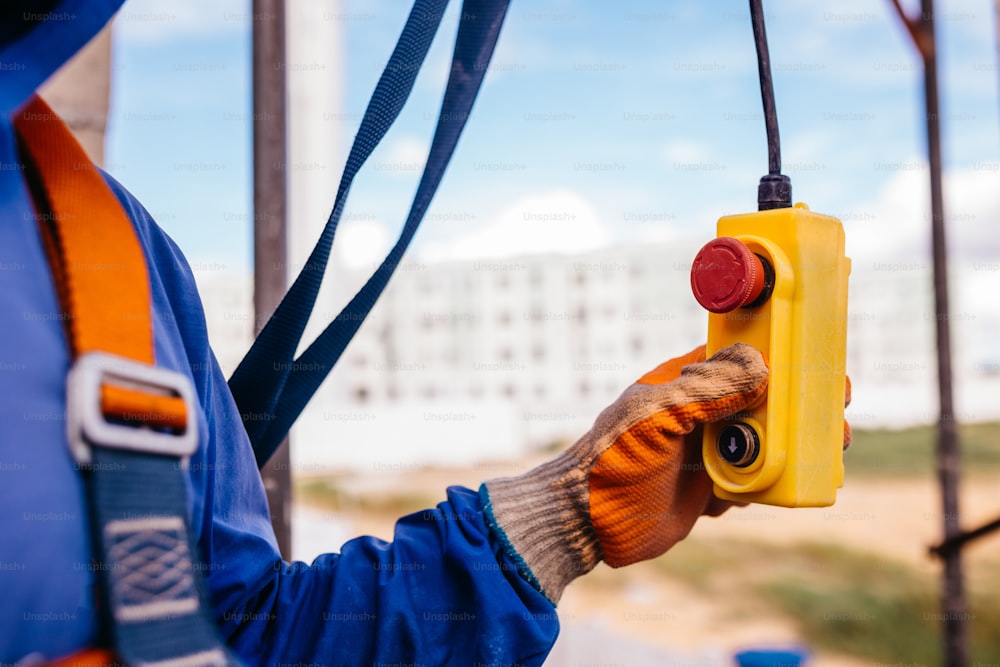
(443, 592)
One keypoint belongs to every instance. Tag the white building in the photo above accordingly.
(562, 333)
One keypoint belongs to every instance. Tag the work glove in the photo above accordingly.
(634, 485)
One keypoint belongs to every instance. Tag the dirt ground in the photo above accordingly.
(896, 519)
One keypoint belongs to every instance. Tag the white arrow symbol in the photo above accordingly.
(732, 445)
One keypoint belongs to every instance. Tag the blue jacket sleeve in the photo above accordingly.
(443, 592)
(440, 594)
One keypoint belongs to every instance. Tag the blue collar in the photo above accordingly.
(53, 31)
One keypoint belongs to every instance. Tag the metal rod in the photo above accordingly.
(960, 540)
(270, 203)
(955, 617)
(912, 27)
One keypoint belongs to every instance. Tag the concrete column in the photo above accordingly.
(80, 91)
(314, 47)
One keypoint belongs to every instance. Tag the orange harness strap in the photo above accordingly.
(88, 658)
(100, 269)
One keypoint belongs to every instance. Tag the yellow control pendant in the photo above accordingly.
(777, 280)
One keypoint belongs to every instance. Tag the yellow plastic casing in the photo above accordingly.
(802, 330)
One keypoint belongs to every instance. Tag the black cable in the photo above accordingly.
(775, 189)
(766, 88)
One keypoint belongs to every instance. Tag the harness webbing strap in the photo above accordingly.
(130, 425)
(100, 269)
(270, 386)
(88, 658)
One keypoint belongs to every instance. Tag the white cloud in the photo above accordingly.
(972, 209)
(893, 227)
(560, 221)
(897, 225)
(361, 243)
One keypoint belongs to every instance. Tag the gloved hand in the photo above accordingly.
(635, 484)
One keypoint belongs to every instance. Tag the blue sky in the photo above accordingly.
(642, 118)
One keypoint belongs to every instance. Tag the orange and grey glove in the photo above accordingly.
(635, 484)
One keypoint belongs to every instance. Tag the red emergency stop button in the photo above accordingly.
(726, 275)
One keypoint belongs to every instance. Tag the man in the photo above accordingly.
(474, 581)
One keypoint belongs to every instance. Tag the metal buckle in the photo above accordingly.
(87, 425)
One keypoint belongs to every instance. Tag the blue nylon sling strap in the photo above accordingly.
(156, 596)
(270, 386)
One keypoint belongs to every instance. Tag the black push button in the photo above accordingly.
(738, 444)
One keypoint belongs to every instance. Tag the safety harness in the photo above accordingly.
(131, 425)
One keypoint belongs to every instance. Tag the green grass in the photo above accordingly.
(881, 610)
(910, 452)
(843, 600)
(861, 622)
(861, 605)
